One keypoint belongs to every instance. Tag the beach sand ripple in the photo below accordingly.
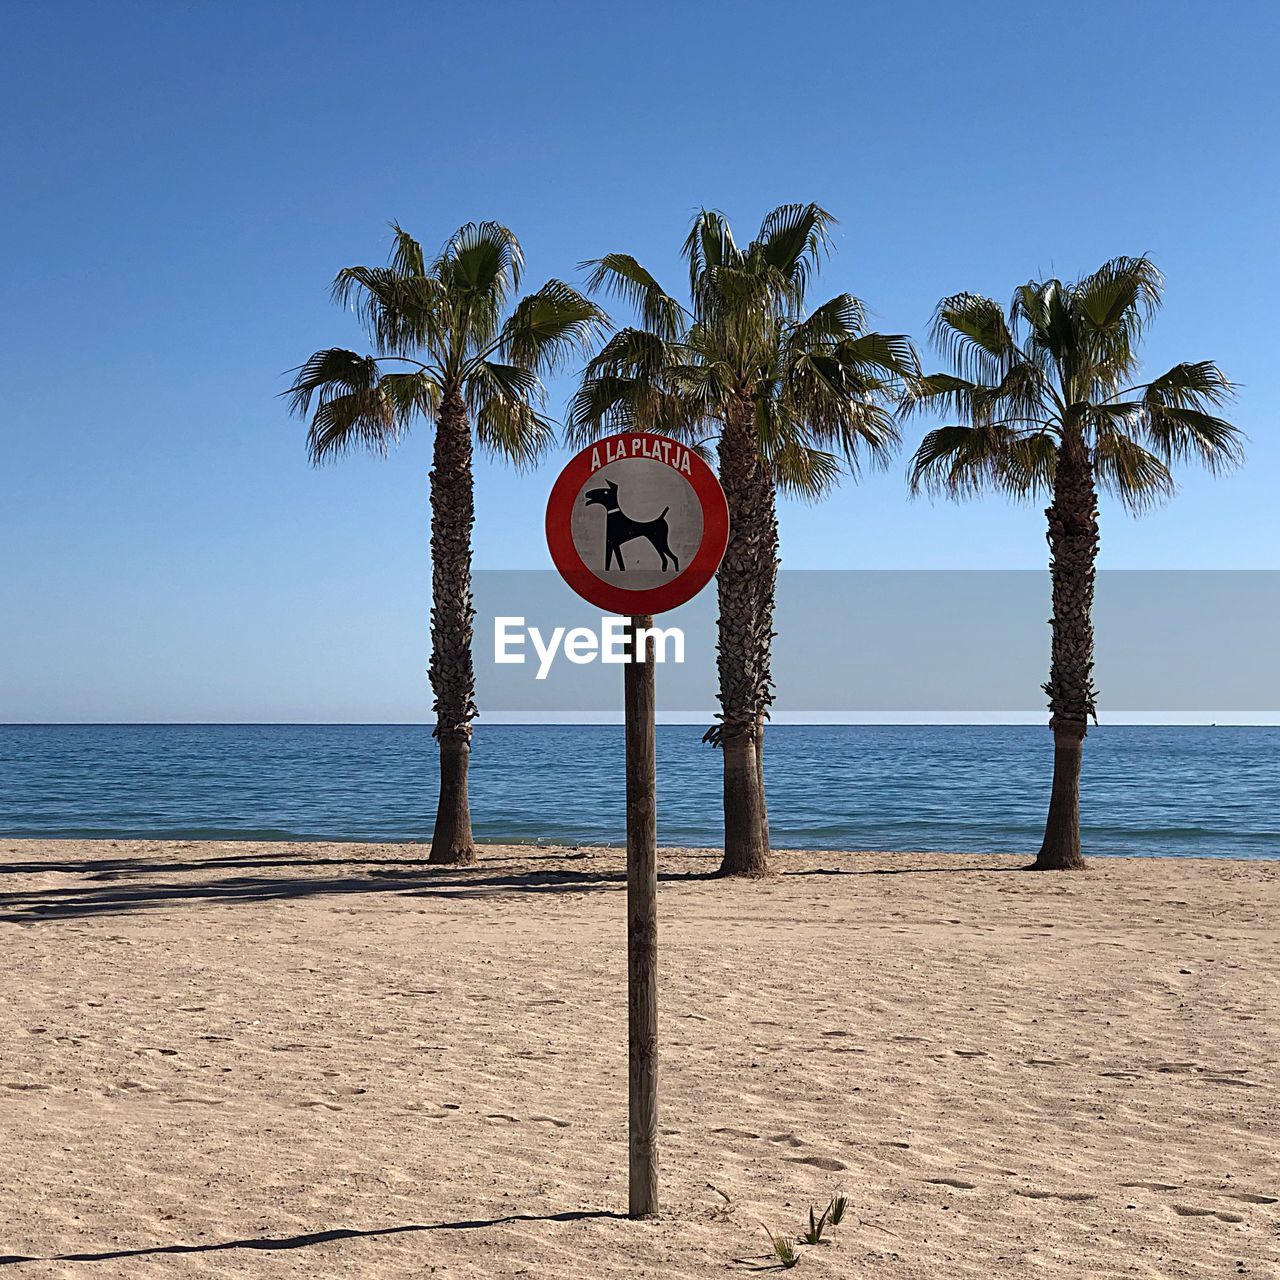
(326, 1060)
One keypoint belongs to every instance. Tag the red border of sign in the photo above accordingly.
(684, 586)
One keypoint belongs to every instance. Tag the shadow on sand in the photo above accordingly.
(115, 886)
(268, 1243)
(119, 885)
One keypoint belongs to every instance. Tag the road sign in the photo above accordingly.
(637, 523)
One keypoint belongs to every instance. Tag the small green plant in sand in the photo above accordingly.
(783, 1248)
(813, 1234)
(835, 1210)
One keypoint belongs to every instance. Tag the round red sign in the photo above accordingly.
(637, 523)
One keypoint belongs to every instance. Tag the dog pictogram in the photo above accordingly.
(620, 528)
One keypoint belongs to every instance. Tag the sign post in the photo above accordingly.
(642, 926)
(637, 524)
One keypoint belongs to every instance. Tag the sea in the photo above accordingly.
(1175, 791)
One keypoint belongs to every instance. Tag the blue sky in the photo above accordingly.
(184, 179)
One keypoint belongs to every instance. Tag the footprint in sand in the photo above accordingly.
(502, 1115)
(1075, 1197)
(787, 1139)
(829, 1163)
(1192, 1211)
(971, 1053)
(320, 1102)
(559, 1124)
(1152, 1186)
(951, 1182)
(1251, 1197)
(737, 1133)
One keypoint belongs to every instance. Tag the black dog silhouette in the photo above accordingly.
(620, 528)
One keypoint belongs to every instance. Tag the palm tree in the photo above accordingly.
(1048, 402)
(787, 395)
(456, 361)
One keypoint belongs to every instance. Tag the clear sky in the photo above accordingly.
(182, 181)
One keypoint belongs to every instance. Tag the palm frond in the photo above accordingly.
(960, 461)
(843, 316)
(1178, 434)
(893, 354)
(399, 312)
(1123, 291)
(842, 406)
(329, 372)
(621, 276)
(352, 409)
(1043, 306)
(1190, 386)
(1129, 472)
(801, 471)
(637, 352)
(1173, 416)
(406, 253)
(938, 391)
(514, 429)
(607, 402)
(792, 240)
(482, 258)
(708, 245)
(547, 327)
(412, 393)
(1030, 464)
(972, 333)
(491, 379)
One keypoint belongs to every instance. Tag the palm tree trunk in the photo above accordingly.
(452, 614)
(745, 629)
(764, 806)
(767, 588)
(1073, 546)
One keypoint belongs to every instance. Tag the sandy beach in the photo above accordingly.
(326, 1060)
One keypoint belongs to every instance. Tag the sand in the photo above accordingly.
(325, 1060)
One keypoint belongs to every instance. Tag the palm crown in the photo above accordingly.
(818, 385)
(446, 320)
(1062, 368)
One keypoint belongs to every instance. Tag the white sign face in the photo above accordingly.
(636, 522)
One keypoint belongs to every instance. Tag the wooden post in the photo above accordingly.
(642, 929)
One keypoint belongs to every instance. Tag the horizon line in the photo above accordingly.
(617, 721)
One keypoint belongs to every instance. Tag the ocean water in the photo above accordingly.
(1178, 791)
